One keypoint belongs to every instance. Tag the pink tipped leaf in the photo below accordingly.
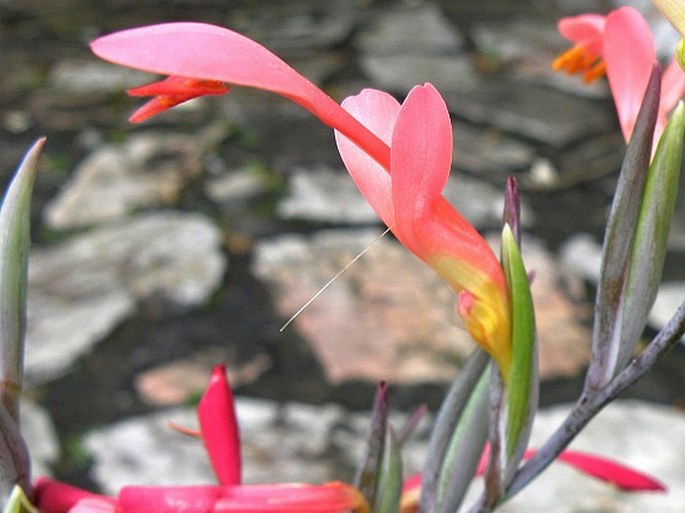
(219, 427)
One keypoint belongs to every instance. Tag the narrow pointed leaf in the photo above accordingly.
(466, 445)
(522, 384)
(389, 483)
(651, 236)
(15, 238)
(446, 423)
(367, 473)
(618, 239)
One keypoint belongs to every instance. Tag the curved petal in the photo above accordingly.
(420, 160)
(208, 52)
(377, 111)
(584, 29)
(630, 53)
(219, 428)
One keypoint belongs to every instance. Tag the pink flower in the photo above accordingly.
(399, 156)
(419, 134)
(620, 44)
(220, 433)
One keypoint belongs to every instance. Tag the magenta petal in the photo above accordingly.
(630, 54)
(377, 111)
(607, 470)
(52, 496)
(421, 156)
(97, 505)
(219, 427)
(157, 499)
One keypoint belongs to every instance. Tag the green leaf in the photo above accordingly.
(522, 383)
(455, 412)
(15, 217)
(618, 239)
(389, 484)
(651, 235)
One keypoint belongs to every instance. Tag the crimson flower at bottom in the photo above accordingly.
(220, 433)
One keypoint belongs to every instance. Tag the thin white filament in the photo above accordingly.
(330, 282)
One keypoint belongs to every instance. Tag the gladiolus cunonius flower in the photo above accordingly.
(220, 434)
(398, 155)
(621, 45)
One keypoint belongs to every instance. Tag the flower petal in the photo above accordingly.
(219, 428)
(378, 112)
(420, 160)
(630, 53)
(168, 499)
(332, 497)
(585, 29)
(52, 496)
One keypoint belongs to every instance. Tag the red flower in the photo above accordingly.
(219, 431)
(620, 44)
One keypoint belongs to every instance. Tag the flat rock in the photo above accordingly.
(41, 438)
(537, 112)
(90, 75)
(387, 317)
(582, 255)
(147, 170)
(81, 289)
(323, 195)
(669, 297)
(404, 47)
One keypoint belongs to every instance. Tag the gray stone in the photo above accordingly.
(320, 194)
(669, 297)
(147, 170)
(582, 255)
(412, 45)
(82, 288)
(90, 75)
(488, 152)
(235, 187)
(536, 112)
(40, 436)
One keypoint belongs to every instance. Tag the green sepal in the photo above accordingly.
(455, 413)
(618, 240)
(522, 383)
(19, 503)
(680, 54)
(651, 235)
(389, 481)
(15, 238)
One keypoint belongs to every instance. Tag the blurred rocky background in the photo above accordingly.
(165, 248)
